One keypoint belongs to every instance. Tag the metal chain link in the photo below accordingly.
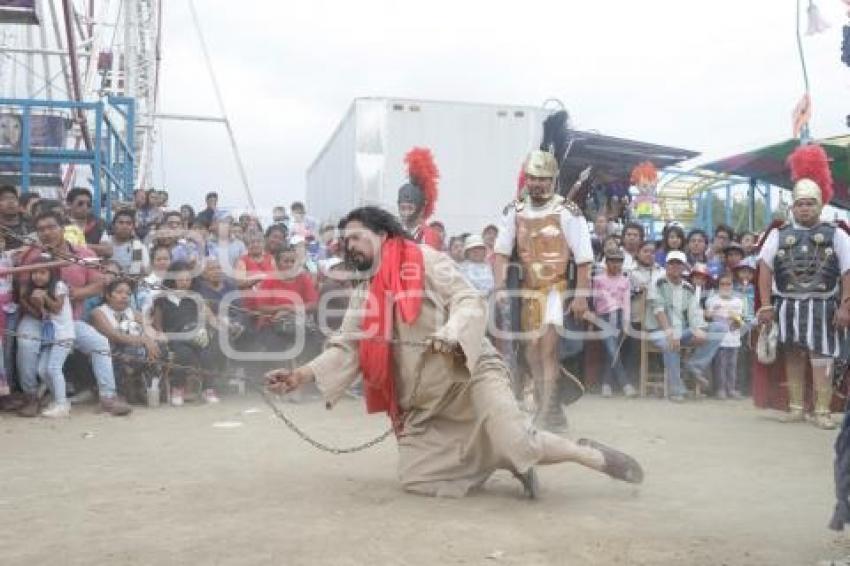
(264, 394)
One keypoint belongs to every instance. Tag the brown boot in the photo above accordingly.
(12, 402)
(31, 407)
(115, 406)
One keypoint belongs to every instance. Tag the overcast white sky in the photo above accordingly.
(715, 77)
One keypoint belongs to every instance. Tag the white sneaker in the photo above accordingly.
(607, 391)
(210, 397)
(176, 396)
(57, 411)
(629, 390)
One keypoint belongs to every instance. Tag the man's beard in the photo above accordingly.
(358, 261)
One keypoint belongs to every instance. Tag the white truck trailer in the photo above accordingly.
(478, 148)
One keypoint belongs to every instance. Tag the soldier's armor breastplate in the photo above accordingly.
(806, 262)
(542, 249)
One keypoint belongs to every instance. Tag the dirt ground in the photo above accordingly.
(725, 485)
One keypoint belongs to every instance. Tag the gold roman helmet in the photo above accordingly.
(806, 189)
(541, 164)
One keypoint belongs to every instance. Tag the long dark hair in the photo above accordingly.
(51, 283)
(673, 229)
(377, 220)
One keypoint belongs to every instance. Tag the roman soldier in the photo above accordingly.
(418, 197)
(548, 231)
(804, 288)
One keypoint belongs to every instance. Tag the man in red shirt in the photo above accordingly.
(83, 282)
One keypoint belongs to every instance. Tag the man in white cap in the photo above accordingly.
(674, 319)
(804, 287)
(548, 231)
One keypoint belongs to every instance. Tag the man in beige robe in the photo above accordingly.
(459, 421)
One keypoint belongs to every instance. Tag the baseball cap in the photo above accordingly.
(677, 255)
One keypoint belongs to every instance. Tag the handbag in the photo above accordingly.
(767, 344)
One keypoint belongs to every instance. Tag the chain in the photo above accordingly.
(169, 365)
(264, 394)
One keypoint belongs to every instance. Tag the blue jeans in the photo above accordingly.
(87, 340)
(699, 360)
(9, 347)
(612, 342)
(50, 362)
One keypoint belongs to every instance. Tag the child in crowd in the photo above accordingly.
(734, 254)
(123, 327)
(334, 294)
(110, 270)
(475, 267)
(744, 273)
(641, 278)
(8, 310)
(726, 307)
(45, 296)
(612, 297)
(151, 285)
(701, 280)
(748, 243)
(609, 243)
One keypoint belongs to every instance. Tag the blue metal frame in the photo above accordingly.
(703, 219)
(112, 158)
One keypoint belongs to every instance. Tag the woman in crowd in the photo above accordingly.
(672, 238)
(221, 244)
(180, 314)
(187, 216)
(124, 328)
(148, 212)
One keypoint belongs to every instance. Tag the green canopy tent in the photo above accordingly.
(768, 164)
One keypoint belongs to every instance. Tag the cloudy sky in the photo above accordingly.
(715, 77)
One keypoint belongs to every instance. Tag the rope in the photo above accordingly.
(208, 61)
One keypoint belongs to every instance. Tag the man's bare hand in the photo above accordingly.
(441, 345)
(842, 316)
(285, 380)
(578, 308)
(700, 337)
(765, 316)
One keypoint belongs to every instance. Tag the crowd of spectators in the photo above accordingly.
(158, 302)
(683, 290)
(171, 301)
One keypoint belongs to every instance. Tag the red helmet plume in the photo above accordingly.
(812, 162)
(423, 173)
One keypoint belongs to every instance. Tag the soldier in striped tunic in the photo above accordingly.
(804, 286)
